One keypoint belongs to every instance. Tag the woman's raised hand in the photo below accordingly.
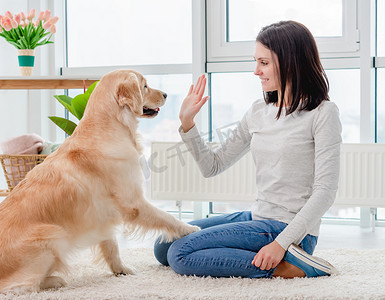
(192, 104)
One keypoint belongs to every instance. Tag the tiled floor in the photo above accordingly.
(350, 236)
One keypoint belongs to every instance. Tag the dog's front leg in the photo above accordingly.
(110, 251)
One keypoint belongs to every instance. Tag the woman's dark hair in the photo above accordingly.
(299, 66)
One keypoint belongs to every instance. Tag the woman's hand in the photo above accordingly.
(269, 256)
(193, 103)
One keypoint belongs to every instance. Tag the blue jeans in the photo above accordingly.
(225, 246)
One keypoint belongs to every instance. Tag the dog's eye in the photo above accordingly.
(145, 86)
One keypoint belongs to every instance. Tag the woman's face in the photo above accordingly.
(267, 68)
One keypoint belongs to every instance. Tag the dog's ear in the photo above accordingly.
(129, 94)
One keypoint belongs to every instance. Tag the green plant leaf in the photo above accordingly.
(64, 100)
(79, 104)
(90, 89)
(15, 44)
(75, 106)
(24, 42)
(67, 125)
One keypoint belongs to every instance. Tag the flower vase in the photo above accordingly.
(26, 61)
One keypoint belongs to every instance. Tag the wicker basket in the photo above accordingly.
(15, 168)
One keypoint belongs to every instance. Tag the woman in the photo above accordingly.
(294, 135)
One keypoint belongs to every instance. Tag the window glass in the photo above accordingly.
(247, 17)
(381, 28)
(164, 127)
(232, 94)
(128, 32)
(345, 92)
(381, 214)
(380, 105)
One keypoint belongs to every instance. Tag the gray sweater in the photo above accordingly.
(297, 160)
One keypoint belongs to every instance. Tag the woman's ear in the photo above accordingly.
(129, 94)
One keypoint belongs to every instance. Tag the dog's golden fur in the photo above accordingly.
(81, 192)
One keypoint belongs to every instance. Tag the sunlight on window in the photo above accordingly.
(233, 94)
(345, 92)
(132, 32)
(247, 17)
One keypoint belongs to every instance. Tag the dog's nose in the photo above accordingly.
(164, 95)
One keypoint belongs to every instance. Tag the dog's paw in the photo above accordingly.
(52, 282)
(189, 229)
(124, 271)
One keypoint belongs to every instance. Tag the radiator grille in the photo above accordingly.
(175, 176)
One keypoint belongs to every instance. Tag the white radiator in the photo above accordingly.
(175, 176)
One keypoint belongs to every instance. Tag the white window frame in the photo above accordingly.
(379, 62)
(220, 50)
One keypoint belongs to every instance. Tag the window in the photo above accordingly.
(233, 93)
(132, 32)
(169, 58)
(234, 24)
(165, 126)
(150, 36)
(381, 214)
(247, 17)
(345, 92)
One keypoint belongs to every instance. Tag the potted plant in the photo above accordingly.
(25, 33)
(75, 106)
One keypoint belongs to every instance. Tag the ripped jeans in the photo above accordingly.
(225, 247)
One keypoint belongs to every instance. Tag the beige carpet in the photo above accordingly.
(362, 277)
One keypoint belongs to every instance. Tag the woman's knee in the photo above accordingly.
(175, 257)
(160, 251)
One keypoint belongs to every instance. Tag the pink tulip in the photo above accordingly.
(18, 18)
(8, 14)
(31, 14)
(14, 24)
(53, 20)
(41, 16)
(46, 25)
(1, 29)
(5, 22)
(47, 15)
(7, 27)
(26, 22)
(22, 15)
(53, 29)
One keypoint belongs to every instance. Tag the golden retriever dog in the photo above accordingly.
(84, 190)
